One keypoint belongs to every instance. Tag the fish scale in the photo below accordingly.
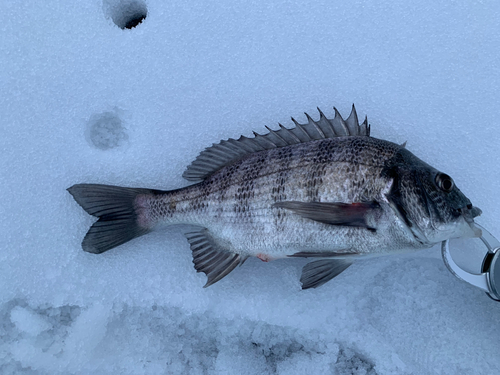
(325, 189)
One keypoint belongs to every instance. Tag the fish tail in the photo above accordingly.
(121, 217)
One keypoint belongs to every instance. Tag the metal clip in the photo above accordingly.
(489, 278)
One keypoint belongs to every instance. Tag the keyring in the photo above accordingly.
(489, 278)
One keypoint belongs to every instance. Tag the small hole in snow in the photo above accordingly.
(126, 14)
(105, 131)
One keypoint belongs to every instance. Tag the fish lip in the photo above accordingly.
(477, 231)
(475, 211)
(469, 213)
(469, 219)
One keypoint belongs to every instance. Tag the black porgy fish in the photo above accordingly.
(325, 189)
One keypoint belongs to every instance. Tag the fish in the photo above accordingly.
(325, 190)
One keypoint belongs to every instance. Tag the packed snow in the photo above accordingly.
(85, 98)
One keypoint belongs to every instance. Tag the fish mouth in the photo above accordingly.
(476, 211)
(463, 226)
(470, 212)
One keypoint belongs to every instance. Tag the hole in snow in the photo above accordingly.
(126, 14)
(105, 131)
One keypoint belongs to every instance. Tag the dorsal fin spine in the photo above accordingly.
(366, 126)
(242, 144)
(313, 123)
(323, 117)
(277, 138)
(339, 118)
(288, 131)
(265, 138)
(352, 121)
(299, 126)
(254, 142)
(321, 114)
(275, 133)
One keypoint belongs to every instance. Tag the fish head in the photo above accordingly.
(450, 213)
(429, 202)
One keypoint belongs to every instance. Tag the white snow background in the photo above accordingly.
(84, 101)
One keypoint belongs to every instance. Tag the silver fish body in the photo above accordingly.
(323, 190)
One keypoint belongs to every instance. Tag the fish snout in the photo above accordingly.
(476, 211)
(469, 212)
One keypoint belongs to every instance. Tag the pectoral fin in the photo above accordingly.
(319, 272)
(346, 214)
(210, 258)
(323, 254)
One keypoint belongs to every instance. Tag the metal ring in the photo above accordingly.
(488, 281)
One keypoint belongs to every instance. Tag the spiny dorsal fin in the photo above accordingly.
(228, 151)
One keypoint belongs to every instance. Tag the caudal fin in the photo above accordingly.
(116, 209)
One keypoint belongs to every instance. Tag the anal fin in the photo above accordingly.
(319, 272)
(210, 258)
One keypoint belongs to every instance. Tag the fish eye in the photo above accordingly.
(444, 182)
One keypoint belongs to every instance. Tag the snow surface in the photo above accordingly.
(83, 100)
